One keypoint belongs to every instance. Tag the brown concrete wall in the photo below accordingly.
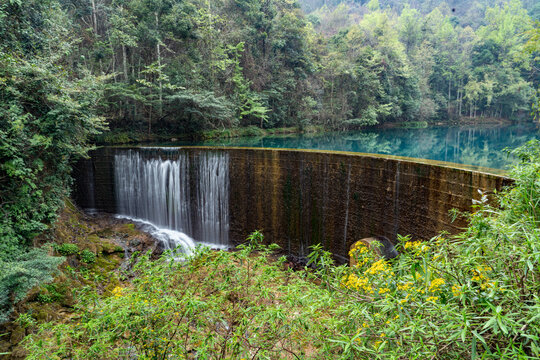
(299, 198)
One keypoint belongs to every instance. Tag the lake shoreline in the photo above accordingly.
(120, 137)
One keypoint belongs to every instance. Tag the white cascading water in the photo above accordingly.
(155, 189)
(213, 197)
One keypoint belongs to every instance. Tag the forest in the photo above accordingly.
(74, 73)
(184, 66)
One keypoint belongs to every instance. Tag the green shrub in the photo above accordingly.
(118, 137)
(67, 249)
(21, 274)
(44, 298)
(87, 256)
(51, 292)
(252, 131)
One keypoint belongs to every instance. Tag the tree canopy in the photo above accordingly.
(277, 63)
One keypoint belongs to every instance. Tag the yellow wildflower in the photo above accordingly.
(485, 285)
(404, 287)
(377, 267)
(436, 284)
(117, 291)
(384, 290)
(357, 283)
(417, 247)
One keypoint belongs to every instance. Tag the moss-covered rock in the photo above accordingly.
(109, 247)
(128, 229)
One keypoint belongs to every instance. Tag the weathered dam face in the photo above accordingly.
(296, 197)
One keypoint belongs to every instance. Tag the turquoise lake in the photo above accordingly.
(471, 145)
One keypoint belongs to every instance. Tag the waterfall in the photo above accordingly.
(155, 186)
(213, 197)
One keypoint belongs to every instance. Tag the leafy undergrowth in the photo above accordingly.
(430, 303)
(88, 253)
(474, 295)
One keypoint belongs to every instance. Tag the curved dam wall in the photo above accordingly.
(300, 197)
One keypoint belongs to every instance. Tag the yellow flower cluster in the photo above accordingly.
(415, 290)
(361, 253)
(405, 287)
(384, 290)
(486, 285)
(417, 247)
(456, 290)
(357, 283)
(436, 284)
(479, 275)
(376, 272)
(359, 248)
(117, 291)
(407, 298)
(381, 267)
(379, 342)
(362, 262)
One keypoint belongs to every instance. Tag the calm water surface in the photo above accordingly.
(480, 146)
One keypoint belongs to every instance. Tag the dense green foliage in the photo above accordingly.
(474, 295)
(181, 66)
(440, 60)
(465, 12)
(45, 120)
(532, 46)
(188, 65)
(21, 273)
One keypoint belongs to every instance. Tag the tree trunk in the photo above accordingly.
(332, 101)
(449, 99)
(124, 61)
(458, 102)
(158, 48)
(132, 64)
(149, 121)
(94, 16)
(113, 63)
